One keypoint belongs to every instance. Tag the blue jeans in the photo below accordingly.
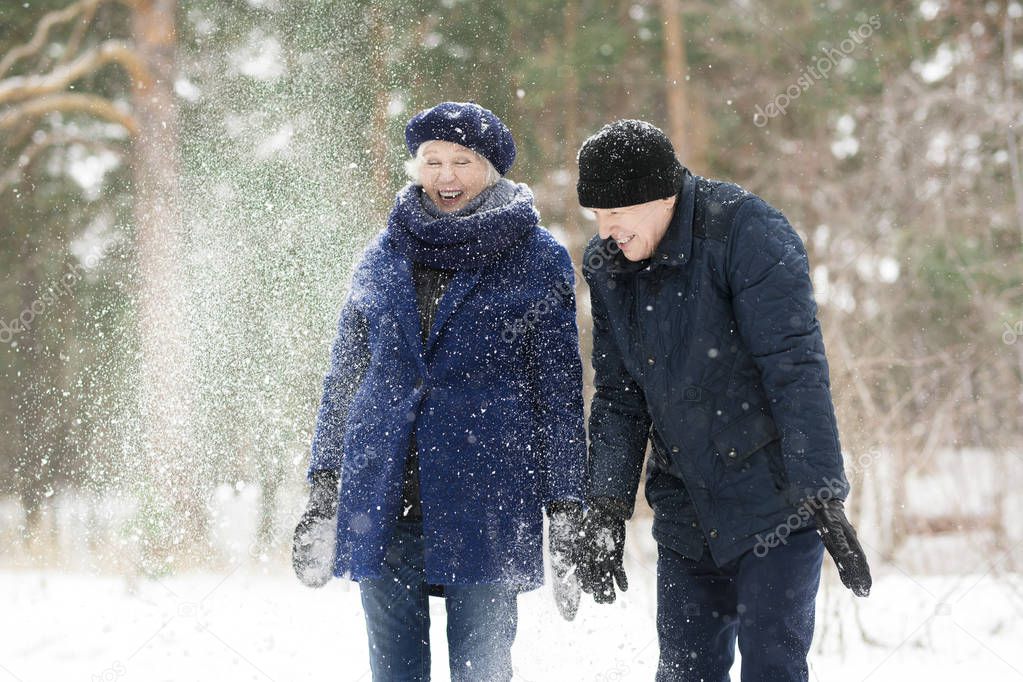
(482, 619)
(767, 602)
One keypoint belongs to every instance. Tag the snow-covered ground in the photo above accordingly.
(948, 608)
(253, 625)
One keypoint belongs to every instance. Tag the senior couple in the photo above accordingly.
(441, 440)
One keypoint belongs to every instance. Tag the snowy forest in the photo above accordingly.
(187, 185)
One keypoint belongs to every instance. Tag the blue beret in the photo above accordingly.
(467, 124)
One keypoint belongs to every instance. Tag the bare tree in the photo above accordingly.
(149, 117)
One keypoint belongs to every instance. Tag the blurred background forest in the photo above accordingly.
(185, 186)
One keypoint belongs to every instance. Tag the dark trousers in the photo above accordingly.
(481, 625)
(765, 602)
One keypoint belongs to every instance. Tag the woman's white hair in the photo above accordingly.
(414, 165)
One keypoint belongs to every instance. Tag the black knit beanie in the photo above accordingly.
(625, 163)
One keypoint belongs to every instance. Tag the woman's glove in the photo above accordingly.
(601, 558)
(564, 531)
(312, 550)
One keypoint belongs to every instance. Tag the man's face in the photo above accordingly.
(452, 175)
(637, 229)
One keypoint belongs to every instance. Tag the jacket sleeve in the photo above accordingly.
(776, 316)
(556, 379)
(619, 421)
(349, 359)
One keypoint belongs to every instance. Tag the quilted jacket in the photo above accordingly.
(711, 350)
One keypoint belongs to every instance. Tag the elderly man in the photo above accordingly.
(706, 342)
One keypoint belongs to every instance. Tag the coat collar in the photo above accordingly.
(402, 293)
(676, 246)
(461, 284)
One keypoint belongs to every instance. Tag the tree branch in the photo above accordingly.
(91, 104)
(77, 34)
(48, 21)
(1010, 132)
(22, 87)
(40, 143)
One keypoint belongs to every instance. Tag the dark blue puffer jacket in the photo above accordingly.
(711, 348)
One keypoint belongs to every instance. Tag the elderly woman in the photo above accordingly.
(452, 413)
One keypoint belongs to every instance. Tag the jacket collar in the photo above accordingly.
(676, 245)
(402, 296)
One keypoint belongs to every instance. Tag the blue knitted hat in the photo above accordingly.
(467, 124)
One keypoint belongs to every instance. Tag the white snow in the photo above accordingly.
(88, 169)
(261, 58)
(929, 9)
(257, 622)
(940, 65)
(845, 144)
(277, 143)
(944, 607)
(186, 89)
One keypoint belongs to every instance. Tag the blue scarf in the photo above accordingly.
(501, 215)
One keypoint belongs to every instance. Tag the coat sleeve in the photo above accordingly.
(556, 379)
(349, 359)
(619, 421)
(776, 316)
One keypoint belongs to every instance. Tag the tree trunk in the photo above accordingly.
(684, 121)
(171, 515)
(380, 142)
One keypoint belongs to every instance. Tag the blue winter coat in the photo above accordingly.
(712, 350)
(494, 397)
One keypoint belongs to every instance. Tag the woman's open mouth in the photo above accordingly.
(450, 197)
(625, 240)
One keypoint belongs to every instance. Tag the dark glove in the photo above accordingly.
(840, 540)
(564, 533)
(602, 550)
(312, 550)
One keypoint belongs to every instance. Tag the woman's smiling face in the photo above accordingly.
(451, 175)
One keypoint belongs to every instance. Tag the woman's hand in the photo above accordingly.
(312, 550)
(563, 540)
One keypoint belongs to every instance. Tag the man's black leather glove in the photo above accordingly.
(602, 550)
(312, 550)
(564, 534)
(840, 540)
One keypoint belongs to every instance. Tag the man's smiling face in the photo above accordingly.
(637, 229)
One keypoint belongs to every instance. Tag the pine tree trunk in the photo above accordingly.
(172, 515)
(685, 124)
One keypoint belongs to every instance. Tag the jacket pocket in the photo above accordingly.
(669, 500)
(736, 442)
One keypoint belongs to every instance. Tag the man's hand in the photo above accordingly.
(602, 551)
(312, 550)
(564, 534)
(840, 540)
